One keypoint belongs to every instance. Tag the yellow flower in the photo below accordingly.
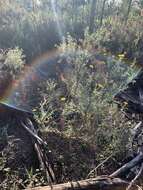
(91, 66)
(121, 56)
(63, 99)
(100, 86)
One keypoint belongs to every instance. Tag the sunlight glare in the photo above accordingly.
(60, 32)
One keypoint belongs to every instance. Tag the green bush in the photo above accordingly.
(82, 105)
(12, 61)
(35, 30)
(119, 37)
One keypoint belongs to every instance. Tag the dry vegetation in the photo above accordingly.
(73, 107)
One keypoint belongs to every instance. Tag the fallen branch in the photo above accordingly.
(136, 177)
(99, 183)
(33, 134)
(128, 166)
(40, 145)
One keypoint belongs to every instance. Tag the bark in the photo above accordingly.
(128, 10)
(102, 12)
(92, 15)
(99, 183)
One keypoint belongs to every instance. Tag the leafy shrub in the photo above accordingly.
(35, 31)
(12, 61)
(119, 37)
(81, 105)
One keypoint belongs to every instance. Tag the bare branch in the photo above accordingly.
(136, 177)
(129, 165)
(92, 171)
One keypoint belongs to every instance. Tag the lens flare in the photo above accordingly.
(21, 94)
(56, 15)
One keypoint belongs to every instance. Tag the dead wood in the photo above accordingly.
(136, 177)
(128, 165)
(99, 183)
(40, 147)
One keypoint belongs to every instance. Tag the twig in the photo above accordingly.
(99, 166)
(127, 115)
(33, 134)
(42, 157)
(136, 177)
(137, 128)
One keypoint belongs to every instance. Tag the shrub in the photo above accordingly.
(85, 107)
(119, 37)
(12, 61)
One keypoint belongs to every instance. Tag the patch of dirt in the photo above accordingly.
(72, 157)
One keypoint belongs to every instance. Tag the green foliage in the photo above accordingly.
(46, 109)
(37, 28)
(118, 37)
(12, 61)
(82, 106)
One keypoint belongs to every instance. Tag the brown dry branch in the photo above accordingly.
(99, 183)
(103, 182)
(134, 162)
(39, 146)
